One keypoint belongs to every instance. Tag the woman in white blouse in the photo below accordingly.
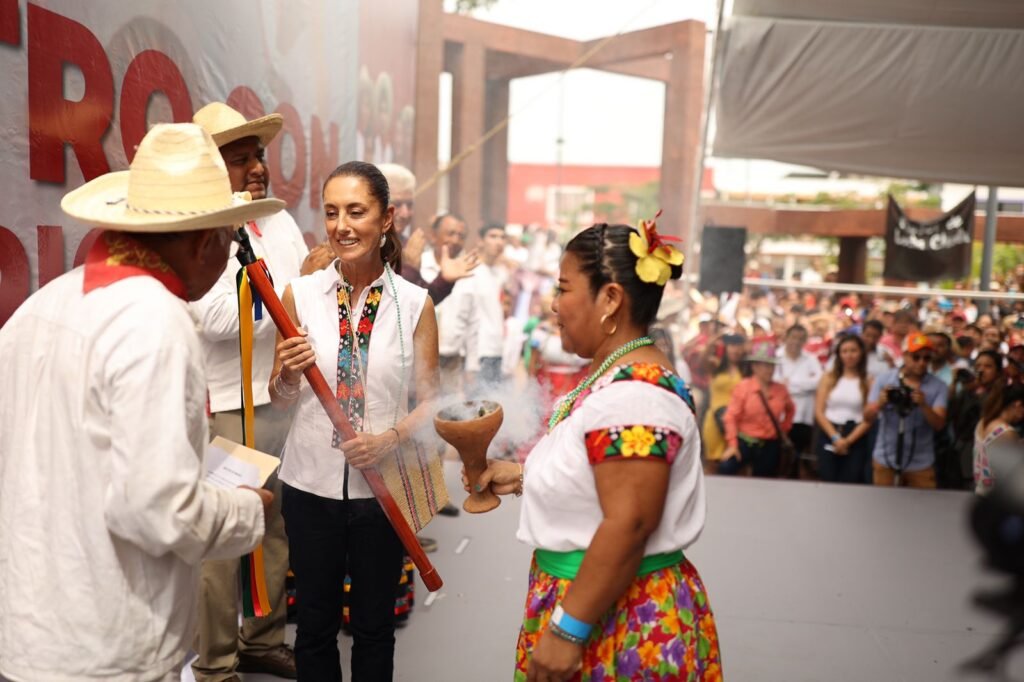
(372, 334)
(614, 492)
(839, 410)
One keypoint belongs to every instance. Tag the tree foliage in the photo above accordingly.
(467, 6)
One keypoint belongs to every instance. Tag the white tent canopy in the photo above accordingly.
(923, 89)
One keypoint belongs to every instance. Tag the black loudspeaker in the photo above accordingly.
(722, 259)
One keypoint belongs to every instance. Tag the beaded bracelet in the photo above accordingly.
(285, 389)
(518, 492)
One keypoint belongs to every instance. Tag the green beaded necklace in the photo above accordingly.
(565, 405)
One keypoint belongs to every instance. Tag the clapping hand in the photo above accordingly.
(320, 256)
(454, 269)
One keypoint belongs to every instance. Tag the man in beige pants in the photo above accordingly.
(259, 646)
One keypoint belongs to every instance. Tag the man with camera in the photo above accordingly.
(910, 404)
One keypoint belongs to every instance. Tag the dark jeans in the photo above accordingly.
(848, 468)
(328, 538)
(801, 435)
(802, 438)
(762, 458)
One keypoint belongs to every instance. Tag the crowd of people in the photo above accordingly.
(856, 374)
(840, 372)
(120, 370)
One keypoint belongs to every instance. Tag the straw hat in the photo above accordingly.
(227, 125)
(177, 182)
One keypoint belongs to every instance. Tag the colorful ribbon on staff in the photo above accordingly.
(255, 601)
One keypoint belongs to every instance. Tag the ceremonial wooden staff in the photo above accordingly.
(260, 281)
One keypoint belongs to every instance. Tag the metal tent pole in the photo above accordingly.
(991, 215)
(691, 238)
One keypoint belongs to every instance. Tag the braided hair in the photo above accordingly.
(604, 257)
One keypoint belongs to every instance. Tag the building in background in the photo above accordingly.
(577, 196)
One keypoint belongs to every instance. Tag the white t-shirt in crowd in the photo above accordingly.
(845, 402)
(801, 377)
(486, 283)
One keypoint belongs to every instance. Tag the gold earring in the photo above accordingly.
(615, 325)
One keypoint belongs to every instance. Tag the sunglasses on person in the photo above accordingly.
(404, 203)
(918, 357)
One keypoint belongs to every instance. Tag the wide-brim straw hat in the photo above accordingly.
(227, 125)
(177, 182)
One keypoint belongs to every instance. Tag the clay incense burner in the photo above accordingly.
(469, 427)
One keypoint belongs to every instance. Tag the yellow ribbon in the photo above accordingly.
(260, 605)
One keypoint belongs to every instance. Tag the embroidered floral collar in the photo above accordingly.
(648, 372)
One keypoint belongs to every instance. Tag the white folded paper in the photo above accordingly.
(229, 465)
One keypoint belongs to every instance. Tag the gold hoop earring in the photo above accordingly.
(615, 325)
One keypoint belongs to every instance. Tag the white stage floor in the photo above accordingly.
(809, 582)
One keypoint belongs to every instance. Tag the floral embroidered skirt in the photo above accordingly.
(662, 629)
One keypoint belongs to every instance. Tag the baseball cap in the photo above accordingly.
(915, 342)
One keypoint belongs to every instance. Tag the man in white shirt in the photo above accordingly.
(259, 645)
(104, 513)
(457, 317)
(448, 268)
(487, 283)
(879, 358)
(800, 372)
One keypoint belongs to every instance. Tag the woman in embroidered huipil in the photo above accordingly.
(614, 492)
(372, 334)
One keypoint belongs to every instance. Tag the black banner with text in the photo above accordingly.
(926, 251)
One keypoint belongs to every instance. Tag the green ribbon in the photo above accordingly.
(566, 565)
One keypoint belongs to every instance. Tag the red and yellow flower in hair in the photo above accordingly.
(654, 257)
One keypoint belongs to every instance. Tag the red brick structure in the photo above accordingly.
(533, 188)
(483, 58)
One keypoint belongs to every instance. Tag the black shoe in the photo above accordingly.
(429, 545)
(449, 510)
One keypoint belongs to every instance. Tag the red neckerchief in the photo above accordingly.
(115, 256)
